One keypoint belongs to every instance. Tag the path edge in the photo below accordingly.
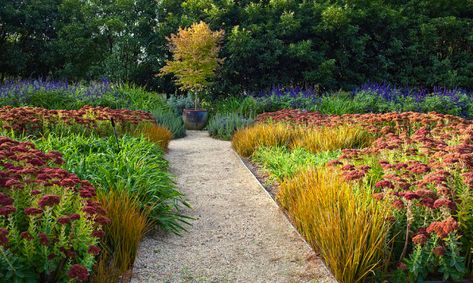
(288, 222)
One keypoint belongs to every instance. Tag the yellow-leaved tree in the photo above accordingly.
(194, 57)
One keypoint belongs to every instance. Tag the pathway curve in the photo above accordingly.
(239, 234)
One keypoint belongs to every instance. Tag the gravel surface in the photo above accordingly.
(238, 235)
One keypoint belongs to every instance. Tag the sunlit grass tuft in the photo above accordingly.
(247, 140)
(332, 138)
(122, 236)
(154, 133)
(348, 227)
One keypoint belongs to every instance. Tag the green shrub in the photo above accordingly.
(247, 106)
(134, 165)
(137, 98)
(337, 103)
(179, 103)
(447, 105)
(172, 122)
(223, 126)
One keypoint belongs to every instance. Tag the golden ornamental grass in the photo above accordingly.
(349, 228)
(155, 133)
(247, 140)
(122, 236)
(332, 138)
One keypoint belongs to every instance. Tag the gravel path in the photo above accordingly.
(239, 234)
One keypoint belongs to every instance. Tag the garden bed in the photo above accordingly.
(79, 189)
(402, 179)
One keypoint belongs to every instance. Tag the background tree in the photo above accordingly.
(194, 58)
(327, 43)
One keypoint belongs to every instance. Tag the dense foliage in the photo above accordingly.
(222, 126)
(194, 57)
(415, 167)
(50, 216)
(369, 98)
(49, 221)
(68, 96)
(329, 44)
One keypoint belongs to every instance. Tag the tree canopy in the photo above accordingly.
(194, 56)
(330, 44)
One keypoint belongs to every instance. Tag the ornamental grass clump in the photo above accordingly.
(245, 141)
(332, 138)
(154, 133)
(347, 227)
(50, 224)
(122, 236)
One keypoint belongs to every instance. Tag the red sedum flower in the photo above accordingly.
(78, 272)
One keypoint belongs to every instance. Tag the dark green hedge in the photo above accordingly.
(329, 44)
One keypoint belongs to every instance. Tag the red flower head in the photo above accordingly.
(7, 210)
(33, 211)
(3, 236)
(25, 235)
(398, 204)
(98, 234)
(410, 195)
(439, 251)
(419, 239)
(427, 202)
(443, 228)
(100, 219)
(443, 202)
(5, 200)
(49, 200)
(74, 216)
(87, 193)
(384, 184)
(13, 183)
(94, 250)
(401, 266)
(378, 196)
(43, 239)
(78, 272)
(63, 220)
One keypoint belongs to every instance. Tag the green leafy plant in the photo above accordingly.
(223, 126)
(134, 165)
(282, 163)
(172, 122)
(49, 221)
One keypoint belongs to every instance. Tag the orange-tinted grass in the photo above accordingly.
(349, 228)
(332, 138)
(122, 236)
(247, 140)
(155, 133)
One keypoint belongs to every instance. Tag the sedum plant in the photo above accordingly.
(49, 223)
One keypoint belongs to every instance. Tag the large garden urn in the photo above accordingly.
(195, 119)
